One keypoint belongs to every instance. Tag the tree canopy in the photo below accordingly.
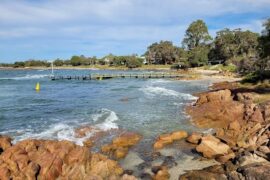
(196, 35)
(163, 52)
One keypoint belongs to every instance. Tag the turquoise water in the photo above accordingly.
(147, 106)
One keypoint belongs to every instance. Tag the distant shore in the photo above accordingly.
(95, 67)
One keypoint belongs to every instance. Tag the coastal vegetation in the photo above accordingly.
(241, 51)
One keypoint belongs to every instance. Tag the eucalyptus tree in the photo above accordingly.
(163, 52)
(197, 42)
(196, 35)
(230, 44)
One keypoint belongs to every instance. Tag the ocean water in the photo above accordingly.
(147, 106)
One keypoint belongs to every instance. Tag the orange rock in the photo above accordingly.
(88, 143)
(83, 131)
(31, 170)
(194, 138)
(235, 125)
(166, 137)
(162, 174)
(78, 155)
(106, 168)
(120, 153)
(225, 158)
(177, 135)
(128, 177)
(5, 142)
(211, 147)
(119, 147)
(127, 140)
(44, 159)
(4, 173)
(158, 145)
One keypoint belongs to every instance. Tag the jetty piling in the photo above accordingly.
(110, 76)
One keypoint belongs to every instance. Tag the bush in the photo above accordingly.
(256, 77)
(179, 66)
(19, 64)
(133, 62)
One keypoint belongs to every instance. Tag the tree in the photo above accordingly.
(163, 52)
(19, 65)
(75, 61)
(198, 56)
(133, 62)
(265, 40)
(197, 41)
(196, 35)
(231, 45)
(58, 62)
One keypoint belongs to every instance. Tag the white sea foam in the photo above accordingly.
(109, 121)
(152, 91)
(65, 131)
(178, 104)
(34, 76)
(159, 81)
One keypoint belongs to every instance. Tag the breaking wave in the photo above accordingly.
(35, 76)
(154, 91)
(66, 131)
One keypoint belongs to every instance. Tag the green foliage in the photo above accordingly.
(163, 52)
(233, 43)
(265, 40)
(221, 67)
(198, 56)
(58, 62)
(82, 60)
(19, 64)
(134, 62)
(196, 35)
(256, 76)
(36, 63)
(101, 62)
(76, 61)
(128, 61)
(119, 60)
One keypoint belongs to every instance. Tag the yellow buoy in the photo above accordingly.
(37, 87)
(100, 78)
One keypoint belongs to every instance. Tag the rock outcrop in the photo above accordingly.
(166, 139)
(242, 135)
(211, 147)
(47, 159)
(216, 109)
(119, 147)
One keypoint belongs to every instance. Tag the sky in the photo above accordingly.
(50, 29)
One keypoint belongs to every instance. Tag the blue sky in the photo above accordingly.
(48, 29)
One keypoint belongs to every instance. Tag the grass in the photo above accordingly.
(220, 67)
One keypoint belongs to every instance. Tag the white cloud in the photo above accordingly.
(115, 23)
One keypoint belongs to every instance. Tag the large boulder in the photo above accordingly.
(216, 96)
(119, 147)
(216, 110)
(165, 139)
(258, 171)
(211, 147)
(194, 138)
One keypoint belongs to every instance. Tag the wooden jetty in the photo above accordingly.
(110, 76)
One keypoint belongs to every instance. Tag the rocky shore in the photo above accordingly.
(238, 147)
(242, 131)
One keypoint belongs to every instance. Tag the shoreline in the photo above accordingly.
(120, 148)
